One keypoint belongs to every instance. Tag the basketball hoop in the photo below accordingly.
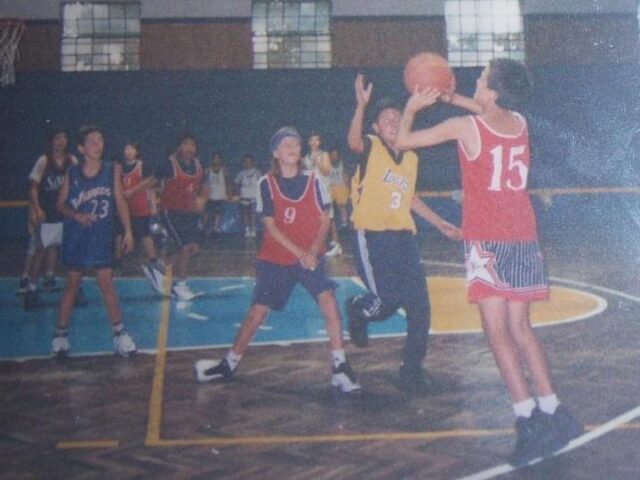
(11, 30)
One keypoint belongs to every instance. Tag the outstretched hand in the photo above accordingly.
(422, 99)
(363, 94)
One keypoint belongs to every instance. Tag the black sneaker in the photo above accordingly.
(31, 300)
(49, 282)
(414, 379)
(81, 300)
(212, 370)
(563, 426)
(344, 379)
(22, 285)
(532, 439)
(357, 324)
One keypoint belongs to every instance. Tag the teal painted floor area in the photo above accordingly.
(212, 319)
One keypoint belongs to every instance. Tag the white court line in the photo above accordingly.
(575, 443)
(230, 287)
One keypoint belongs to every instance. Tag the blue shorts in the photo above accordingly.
(274, 283)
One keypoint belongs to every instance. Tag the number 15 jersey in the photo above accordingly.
(496, 204)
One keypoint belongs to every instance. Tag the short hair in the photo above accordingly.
(510, 79)
(187, 136)
(385, 103)
(84, 132)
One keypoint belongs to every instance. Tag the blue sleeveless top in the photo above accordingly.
(90, 246)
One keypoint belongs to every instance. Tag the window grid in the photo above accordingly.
(480, 30)
(291, 34)
(99, 36)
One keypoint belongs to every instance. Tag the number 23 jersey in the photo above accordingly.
(87, 246)
(496, 204)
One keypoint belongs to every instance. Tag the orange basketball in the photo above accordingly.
(428, 70)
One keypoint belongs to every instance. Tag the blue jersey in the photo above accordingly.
(90, 246)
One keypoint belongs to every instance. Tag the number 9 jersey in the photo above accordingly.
(496, 204)
(89, 246)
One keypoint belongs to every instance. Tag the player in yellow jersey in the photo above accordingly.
(386, 252)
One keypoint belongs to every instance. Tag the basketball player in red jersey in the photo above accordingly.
(137, 184)
(505, 268)
(184, 195)
(294, 208)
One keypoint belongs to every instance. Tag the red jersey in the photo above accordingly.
(298, 220)
(181, 191)
(139, 203)
(495, 203)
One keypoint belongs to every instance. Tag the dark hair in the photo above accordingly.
(135, 145)
(510, 79)
(84, 132)
(187, 136)
(333, 148)
(51, 135)
(247, 156)
(384, 103)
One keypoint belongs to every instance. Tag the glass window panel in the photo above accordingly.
(307, 9)
(468, 7)
(259, 9)
(291, 24)
(259, 45)
(468, 24)
(133, 26)
(118, 26)
(116, 10)
(85, 27)
(132, 10)
(485, 23)
(260, 25)
(323, 24)
(101, 26)
(100, 11)
(307, 24)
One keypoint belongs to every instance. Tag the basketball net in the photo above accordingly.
(11, 30)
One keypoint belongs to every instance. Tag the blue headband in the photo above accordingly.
(281, 134)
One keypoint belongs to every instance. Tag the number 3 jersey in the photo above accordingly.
(296, 205)
(89, 246)
(496, 204)
(382, 189)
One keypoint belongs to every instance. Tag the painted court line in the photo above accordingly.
(87, 444)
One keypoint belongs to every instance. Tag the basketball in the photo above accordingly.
(428, 70)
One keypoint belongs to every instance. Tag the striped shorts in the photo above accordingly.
(513, 270)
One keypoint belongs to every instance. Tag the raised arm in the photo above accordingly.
(451, 129)
(363, 95)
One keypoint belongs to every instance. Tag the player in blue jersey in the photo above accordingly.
(90, 192)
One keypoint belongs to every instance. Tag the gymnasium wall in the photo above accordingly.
(582, 120)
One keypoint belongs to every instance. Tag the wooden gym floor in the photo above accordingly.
(100, 416)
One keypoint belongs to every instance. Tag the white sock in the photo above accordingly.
(524, 408)
(338, 357)
(233, 359)
(549, 403)
(32, 287)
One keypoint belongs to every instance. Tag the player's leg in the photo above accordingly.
(60, 343)
(559, 422)
(51, 259)
(152, 268)
(31, 295)
(122, 341)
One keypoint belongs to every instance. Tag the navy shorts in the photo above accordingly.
(140, 228)
(274, 283)
(182, 227)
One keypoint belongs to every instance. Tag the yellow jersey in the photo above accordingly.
(382, 199)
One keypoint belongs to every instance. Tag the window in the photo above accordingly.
(100, 36)
(480, 30)
(291, 33)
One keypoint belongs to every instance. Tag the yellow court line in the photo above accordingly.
(86, 444)
(155, 403)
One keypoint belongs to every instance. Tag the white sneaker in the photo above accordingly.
(60, 346)
(123, 343)
(335, 249)
(344, 379)
(182, 292)
(155, 276)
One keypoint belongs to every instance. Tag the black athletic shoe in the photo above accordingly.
(81, 300)
(414, 379)
(533, 439)
(563, 427)
(357, 324)
(31, 300)
(22, 285)
(49, 282)
(211, 370)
